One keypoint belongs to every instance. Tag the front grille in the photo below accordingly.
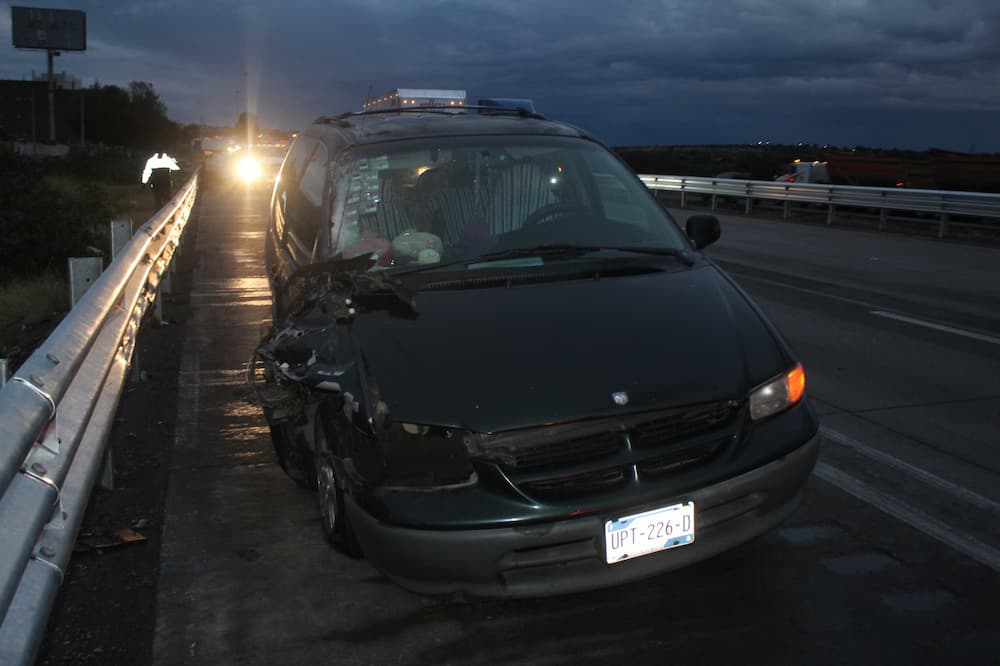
(682, 422)
(534, 455)
(586, 458)
(680, 458)
(575, 485)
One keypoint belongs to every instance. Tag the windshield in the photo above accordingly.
(429, 201)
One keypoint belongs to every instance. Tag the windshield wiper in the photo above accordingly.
(556, 250)
(682, 255)
(573, 250)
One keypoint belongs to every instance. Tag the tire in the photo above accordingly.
(293, 453)
(337, 529)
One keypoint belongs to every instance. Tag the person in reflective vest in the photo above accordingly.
(157, 175)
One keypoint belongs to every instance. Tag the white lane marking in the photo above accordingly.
(804, 290)
(913, 517)
(873, 309)
(937, 327)
(954, 490)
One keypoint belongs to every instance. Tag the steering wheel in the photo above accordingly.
(560, 209)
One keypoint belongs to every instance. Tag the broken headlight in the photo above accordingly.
(415, 455)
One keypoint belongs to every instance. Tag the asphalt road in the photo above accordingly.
(892, 557)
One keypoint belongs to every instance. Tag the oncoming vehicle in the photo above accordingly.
(258, 165)
(505, 368)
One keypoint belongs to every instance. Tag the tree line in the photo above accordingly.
(53, 208)
(134, 117)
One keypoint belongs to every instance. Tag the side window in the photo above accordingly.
(304, 212)
(288, 179)
(314, 177)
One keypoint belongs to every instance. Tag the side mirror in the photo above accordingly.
(703, 230)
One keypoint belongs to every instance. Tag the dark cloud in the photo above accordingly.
(887, 72)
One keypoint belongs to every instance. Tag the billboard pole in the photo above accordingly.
(51, 30)
(52, 96)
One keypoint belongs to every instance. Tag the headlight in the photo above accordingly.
(418, 456)
(778, 394)
(248, 169)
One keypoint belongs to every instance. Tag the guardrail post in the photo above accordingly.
(3, 372)
(715, 201)
(786, 209)
(683, 198)
(943, 228)
(165, 281)
(121, 234)
(82, 273)
(749, 205)
(158, 306)
(829, 214)
(883, 214)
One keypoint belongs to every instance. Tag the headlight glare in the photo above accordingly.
(248, 169)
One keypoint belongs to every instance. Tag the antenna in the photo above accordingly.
(364, 117)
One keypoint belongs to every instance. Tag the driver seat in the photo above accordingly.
(518, 191)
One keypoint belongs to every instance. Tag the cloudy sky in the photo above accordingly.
(893, 73)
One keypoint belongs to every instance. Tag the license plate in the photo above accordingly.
(649, 532)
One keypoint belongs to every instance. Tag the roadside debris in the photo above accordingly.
(91, 541)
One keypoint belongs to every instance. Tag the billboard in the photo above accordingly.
(56, 29)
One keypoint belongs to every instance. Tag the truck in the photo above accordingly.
(805, 172)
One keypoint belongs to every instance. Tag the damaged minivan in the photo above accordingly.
(505, 369)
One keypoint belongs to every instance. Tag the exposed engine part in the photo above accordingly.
(264, 389)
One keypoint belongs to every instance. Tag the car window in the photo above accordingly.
(303, 213)
(433, 200)
(314, 177)
(288, 179)
(300, 151)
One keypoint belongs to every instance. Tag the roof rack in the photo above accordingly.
(344, 118)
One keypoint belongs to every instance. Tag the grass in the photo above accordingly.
(135, 201)
(29, 309)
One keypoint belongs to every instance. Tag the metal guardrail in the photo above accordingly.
(945, 204)
(55, 415)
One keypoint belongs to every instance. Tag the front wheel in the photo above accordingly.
(337, 529)
(293, 453)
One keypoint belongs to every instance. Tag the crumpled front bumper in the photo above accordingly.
(566, 556)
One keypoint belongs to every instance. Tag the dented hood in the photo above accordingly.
(496, 359)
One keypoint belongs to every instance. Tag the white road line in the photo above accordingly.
(937, 327)
(871, 453)
(871, 307)
(804, 290)
(913, 517)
